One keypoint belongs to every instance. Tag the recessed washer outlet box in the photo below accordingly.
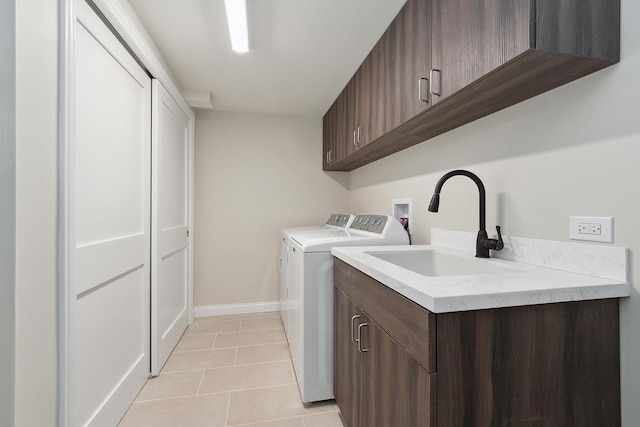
(401, 210)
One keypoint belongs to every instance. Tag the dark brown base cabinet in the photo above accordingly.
(445, 63)
(399, 365)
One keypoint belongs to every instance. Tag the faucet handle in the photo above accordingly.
(499, 242)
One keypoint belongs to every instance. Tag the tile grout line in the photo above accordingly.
(177, 350)
(261, 363)
(226, 418)
(200, 383)
(267, 421)
(278, 328)
(191, 396)
(249, 389)
(293, 371)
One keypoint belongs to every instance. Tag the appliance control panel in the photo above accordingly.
(339, 220)
(370, 223)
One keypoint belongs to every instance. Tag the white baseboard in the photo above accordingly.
(254, 307)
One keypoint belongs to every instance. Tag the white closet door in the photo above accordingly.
(170, 217)
(111, 224)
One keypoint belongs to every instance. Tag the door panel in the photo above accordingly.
(370, 88)
(396, 390)
(408, 62)
(119, 338)
(471, 39)
(170, 249)
(126, 254)
(111, 219)
(347, 359)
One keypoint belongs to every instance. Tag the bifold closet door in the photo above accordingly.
(170, 233)
(111, 223)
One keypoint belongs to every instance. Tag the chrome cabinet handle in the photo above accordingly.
(362, 350)
(432, 85)
(354, 339)
(420, 80)
(356, 136)
(329, 156)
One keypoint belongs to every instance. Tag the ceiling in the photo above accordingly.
(303, 52)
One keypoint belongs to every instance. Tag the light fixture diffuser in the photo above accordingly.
(237, 21)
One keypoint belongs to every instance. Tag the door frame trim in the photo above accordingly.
(8, 168)
(127, 29)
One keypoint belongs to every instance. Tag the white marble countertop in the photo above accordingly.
(522, 284)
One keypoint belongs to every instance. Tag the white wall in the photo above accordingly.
(7, 208)
(254, 174)
(573, 151)
(36, 213)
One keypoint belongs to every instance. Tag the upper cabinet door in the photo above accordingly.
(473, 38)
(370, 96)
(329, 135)
(408, 63)
(347, 113)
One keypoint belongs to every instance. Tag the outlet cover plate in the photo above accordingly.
(591, 228)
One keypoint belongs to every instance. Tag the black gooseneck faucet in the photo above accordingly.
(483, 243)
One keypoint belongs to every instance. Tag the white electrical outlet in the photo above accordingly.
(594, 229)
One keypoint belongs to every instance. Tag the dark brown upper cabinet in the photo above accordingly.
(407, 64)
(449, 62)
(473, 38)
(370, 96)
(357, 117)
(330, 136)
(338, 128)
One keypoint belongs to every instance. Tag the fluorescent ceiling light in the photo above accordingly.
(237, 21)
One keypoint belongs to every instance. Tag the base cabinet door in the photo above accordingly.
(396, 390)
(376, 383)
(347, 359)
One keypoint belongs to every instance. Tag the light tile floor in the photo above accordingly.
(229, 371)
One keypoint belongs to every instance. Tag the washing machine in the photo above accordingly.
(336, 222)
(310, 308)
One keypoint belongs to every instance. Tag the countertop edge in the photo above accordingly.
(601, 289)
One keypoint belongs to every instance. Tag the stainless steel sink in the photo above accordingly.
(430, 262)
